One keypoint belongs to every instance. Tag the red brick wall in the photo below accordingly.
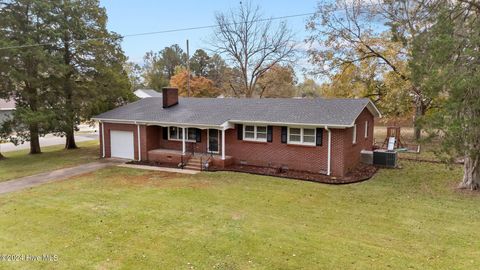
(345, 154)
(352, 151)
(169, 97)
(121, 127)
(177, 145)
(275, 153)
(149, 139)
(338, 152)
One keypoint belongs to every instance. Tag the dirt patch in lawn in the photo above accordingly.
(361, 173)
(453, 185)
(158, 179)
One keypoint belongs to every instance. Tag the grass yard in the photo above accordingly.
(410, 218)
(20, 163)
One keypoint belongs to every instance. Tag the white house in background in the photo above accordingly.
(6, 109)
(146, 93)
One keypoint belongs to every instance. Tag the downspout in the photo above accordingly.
(138, 143)
(184, 148)
(223, 143)
(103, 140)
(329, 151)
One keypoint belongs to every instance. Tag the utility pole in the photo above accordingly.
(188, 70)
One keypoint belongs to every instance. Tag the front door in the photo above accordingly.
(213, 140)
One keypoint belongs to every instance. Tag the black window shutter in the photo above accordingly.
(319, 136)
(239, 128)
(269, 133)
(165, 133)
(284, 134)
(198, 135)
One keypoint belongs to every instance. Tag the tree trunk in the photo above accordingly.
(2, 156)
(471, 173)
(419, 112)
(68, 91)
(70, 139)
(34, 140)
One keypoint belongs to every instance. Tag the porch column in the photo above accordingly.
(329, 153)
(103, 139)
(139, 146)
(223, 143)
(183, 142)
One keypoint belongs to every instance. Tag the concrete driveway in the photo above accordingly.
(48, 140)
(61, 174)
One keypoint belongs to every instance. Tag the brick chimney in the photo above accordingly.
(169, 96)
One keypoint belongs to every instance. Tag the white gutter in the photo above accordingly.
(138, 143)
(223, 144)
(226, 124)
(329, 151)
(103, 139)
(165, 124)
(289, 124)
(184, 149)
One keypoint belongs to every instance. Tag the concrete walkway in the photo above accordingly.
(42, 178)
(162, 169)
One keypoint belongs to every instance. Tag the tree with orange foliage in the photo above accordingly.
(199, 85)
(277, 82)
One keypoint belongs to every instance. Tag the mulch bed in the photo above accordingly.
(360, 174)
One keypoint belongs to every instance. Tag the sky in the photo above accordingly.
(131, 17)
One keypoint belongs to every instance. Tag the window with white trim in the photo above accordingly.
(255, 133)
(366, 129)
(176, 134)
(297, 135)
(354, 134)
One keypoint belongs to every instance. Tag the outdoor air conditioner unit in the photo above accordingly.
(385, 158)
(366, 157)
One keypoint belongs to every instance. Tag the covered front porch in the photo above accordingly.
(185, 145)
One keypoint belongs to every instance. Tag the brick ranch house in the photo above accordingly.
(316, 135)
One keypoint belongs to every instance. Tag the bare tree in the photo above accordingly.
(352, 32)
(252, 44)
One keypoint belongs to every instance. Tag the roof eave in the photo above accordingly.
(136, 122)
(371, 108)
(289, 124)
(227, 124)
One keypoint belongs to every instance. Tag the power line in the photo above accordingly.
(176, 30)
(157, 32)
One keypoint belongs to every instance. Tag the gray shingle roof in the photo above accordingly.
(7, 104)
(214, 112)
(147, 92)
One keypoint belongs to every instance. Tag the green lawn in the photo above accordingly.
(410, 218)
(20, 163)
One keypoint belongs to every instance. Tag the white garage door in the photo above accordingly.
(121, 144)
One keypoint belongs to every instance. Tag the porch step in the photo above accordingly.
(193, 168)
(194, 163)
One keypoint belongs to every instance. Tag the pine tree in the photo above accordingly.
(446, 63)
(88, 72)
(24, 68)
